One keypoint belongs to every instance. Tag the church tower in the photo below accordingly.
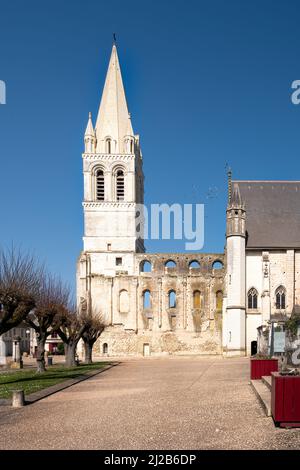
(234, 321)
(113, 181)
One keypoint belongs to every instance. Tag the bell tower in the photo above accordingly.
(113, 181)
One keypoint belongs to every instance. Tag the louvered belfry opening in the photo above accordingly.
(120, 186)
(100, 185)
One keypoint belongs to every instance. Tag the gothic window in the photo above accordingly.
(252, 298)
(146, 299)
(145, 267)
(108, 145)
(120, 186)
(280, 298)
(124, 301)
(100, 185)
(219, 301)
(194, 264)
(172, 299)
(105, 348)
(197, 299)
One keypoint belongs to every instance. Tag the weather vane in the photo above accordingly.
(114, 38)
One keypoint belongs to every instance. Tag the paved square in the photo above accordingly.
(171, 403)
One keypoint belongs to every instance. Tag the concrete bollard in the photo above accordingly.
(18, 398)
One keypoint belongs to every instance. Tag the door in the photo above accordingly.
(253, 348)
(146, 350)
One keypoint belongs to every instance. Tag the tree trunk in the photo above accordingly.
(70, 351)
(40, 352)
(88, 350)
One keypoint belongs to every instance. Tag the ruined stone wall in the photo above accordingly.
(184, 328)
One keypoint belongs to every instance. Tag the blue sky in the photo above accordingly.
(207, 82)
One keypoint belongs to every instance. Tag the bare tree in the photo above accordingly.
(95, 326)
(20, 277)
(52, 300)
(70, 328)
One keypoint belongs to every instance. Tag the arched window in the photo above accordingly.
(170, 264)
(196, 299)
(145, 267)
(146, 299)
(280, 298)
(105, 348)
(172, 299)
(217, 265)
(124, 301)
(100, 185)
(219, 301)
(252, 298)
(120, 186)
(129, 144)
(108, 145)
(194, 264)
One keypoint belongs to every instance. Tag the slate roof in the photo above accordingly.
(272, 213)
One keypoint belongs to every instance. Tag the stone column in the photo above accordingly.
(290, 280)
(108, 186)
(159, 284)
(112, 300)
(17, 355)
(265, 297)
(136, 301)
(3, 359)
(184, 307)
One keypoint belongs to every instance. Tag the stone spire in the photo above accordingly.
(89, 136)
(236, 213)
(236, 199)
(113, 121)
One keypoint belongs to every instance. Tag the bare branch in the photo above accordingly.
(51, 302)
(20, 277)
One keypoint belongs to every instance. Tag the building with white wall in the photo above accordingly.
(182, 303)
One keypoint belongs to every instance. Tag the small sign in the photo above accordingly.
(279, 341)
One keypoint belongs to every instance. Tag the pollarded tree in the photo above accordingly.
(70, 328)
(51, 302)
(20, 277)
(95, 326)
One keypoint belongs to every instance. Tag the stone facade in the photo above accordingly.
(266, 271)
(184, 309)
(179, 309)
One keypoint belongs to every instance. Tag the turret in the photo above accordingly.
(235, 214)
(234, 320)
(89, 137)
